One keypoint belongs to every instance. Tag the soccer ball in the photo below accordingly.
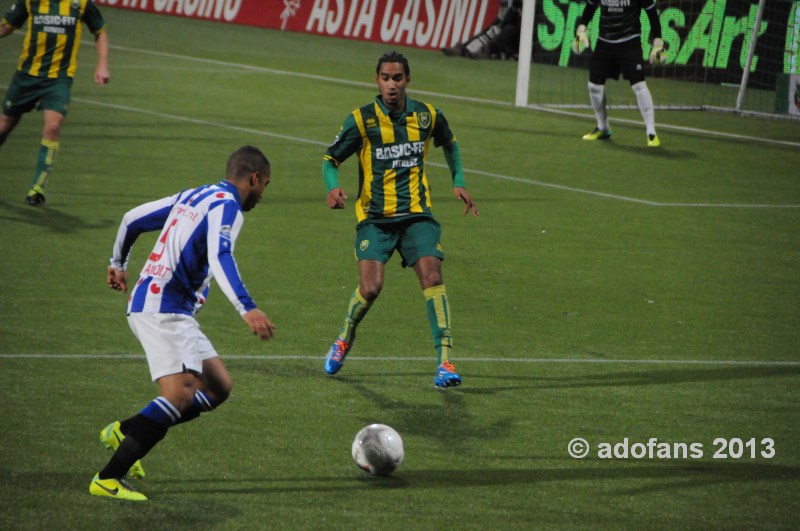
(378, 449)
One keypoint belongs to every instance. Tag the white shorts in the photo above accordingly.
(172, 342)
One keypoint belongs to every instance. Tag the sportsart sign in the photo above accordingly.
(419, 23)
(706, 39)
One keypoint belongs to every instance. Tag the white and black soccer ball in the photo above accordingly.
(378, 449)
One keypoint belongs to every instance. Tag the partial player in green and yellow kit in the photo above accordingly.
(45, 70)
(392, 136)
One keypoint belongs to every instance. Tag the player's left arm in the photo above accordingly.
(224, 223)
(452, 154)
(101, 73)
(444, 137)
(657, 53)
(94, 21)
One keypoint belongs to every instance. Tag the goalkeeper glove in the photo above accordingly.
(581, 41)
(657, 54)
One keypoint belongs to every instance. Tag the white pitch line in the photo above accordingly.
(471, 171)
(542, 184)
(315, 77)
(501, 103)
(599, 361)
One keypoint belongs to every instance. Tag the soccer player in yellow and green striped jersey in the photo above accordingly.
(392, 136)
(45, 70)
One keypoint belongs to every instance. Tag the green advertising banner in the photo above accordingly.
(707, 40)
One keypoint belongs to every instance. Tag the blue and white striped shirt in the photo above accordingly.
(199, 228)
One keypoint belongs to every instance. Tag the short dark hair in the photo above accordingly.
(246, 160)
(393, 57)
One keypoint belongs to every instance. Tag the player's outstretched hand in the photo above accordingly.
(658, 55)
(462, 195)
(336, 198)
(581, 41)
(101, 76)
(259, 323)
(117, 279)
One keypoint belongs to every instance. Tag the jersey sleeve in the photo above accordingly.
(588, 13)
(92, 18)
(442, 135)
(655, 22)
(17, 14)
(347, 142)
(224, 223)
(144, 218)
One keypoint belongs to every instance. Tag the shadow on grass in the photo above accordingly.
(669, 476)
(628, 379)
(451, 424)
(48, 218)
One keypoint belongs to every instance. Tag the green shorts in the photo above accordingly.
(413, 238)
(25, 92)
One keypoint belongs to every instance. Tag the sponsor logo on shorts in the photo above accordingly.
(363, 245)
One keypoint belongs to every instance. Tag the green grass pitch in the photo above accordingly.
(608, 291)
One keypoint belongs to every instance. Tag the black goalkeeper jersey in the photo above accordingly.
(619, 19)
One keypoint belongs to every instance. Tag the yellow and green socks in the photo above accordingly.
(355, 312)
(44, 165)
(439, 317)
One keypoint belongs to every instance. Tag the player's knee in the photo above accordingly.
(370, 290)
(431, 279)
(181, 400)
(223, 391)
(52, 132)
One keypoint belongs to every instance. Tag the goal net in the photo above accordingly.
(716, 58)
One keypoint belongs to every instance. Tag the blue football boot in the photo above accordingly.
(334, 359)
(446, 376)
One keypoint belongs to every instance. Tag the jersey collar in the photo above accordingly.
(388, 112)
(230, 187)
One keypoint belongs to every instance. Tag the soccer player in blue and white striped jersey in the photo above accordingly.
(198, 228)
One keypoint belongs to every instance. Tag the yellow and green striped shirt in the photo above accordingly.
(53, 36)
(392, 148)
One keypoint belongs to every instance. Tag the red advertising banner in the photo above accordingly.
(429, 24)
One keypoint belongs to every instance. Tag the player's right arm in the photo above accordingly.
(144, 218)
(6, 28)
(15, 17)
(347, 142)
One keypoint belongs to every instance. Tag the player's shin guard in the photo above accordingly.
(439, 317)
(44, 163)
(644, 100)
(597, 97)
(355, 313)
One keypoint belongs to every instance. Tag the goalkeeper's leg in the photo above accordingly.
(597, 96)
(645, 102)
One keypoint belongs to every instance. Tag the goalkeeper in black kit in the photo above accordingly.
(619, 51)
